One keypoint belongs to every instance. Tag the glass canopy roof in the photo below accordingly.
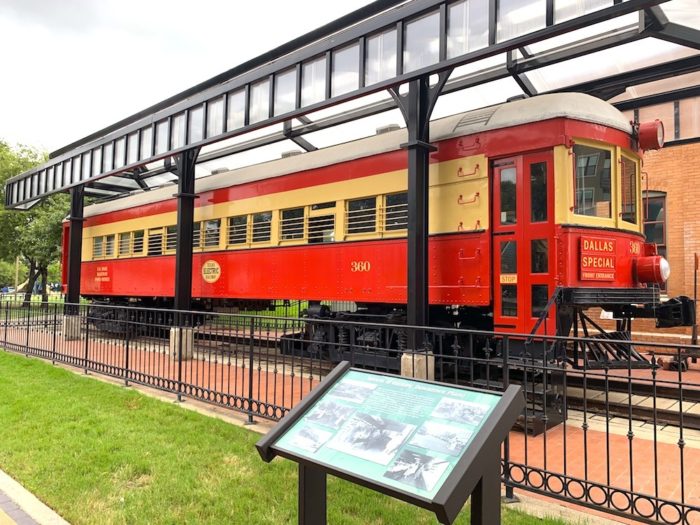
(650, 50)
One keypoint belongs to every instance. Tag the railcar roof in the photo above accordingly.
(577, 106)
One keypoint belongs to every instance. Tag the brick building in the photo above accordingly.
(671, 191)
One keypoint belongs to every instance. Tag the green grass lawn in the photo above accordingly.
(99, 453)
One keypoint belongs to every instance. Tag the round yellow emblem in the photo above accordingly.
(211, 271)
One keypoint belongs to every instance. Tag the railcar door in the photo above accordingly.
(523, 242)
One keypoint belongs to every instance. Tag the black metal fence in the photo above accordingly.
(621, 440)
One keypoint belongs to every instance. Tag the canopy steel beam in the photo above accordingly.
(416, 107)
(185, 163)
(141, 137)
(551, 57)
(75, 249)
(658, 24)
(611, 86)
(658, 98)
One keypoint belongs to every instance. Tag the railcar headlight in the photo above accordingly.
(665, 269)
(651, 135)
(653, 269)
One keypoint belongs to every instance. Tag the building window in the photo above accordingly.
(654, 207)
(592, 182)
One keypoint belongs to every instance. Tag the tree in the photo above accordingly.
(35, 235)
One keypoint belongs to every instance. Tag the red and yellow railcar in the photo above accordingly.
(535, 214)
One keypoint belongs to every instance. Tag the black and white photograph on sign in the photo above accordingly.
(439, 437)
(417, 470)
(354, 391)
(311, 439)
(460, 411)
(330, 414)
(372, 438)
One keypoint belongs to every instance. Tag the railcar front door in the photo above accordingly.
(523, 242)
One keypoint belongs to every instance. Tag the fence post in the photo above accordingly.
(510, 496)
(26, 346)
(179, 323)
(7, 322)
(126, 349)
(87, 338)
(250, 373)
(55, 330)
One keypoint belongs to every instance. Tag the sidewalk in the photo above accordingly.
(19, 507)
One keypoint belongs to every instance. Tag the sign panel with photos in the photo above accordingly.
(393, 431)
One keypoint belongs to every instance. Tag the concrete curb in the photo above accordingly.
(29, 503)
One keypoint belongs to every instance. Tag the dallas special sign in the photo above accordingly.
(597, 258)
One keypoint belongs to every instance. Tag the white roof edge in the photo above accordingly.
(577, 106)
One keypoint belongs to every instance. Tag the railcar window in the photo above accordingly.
(138, 241)
(509, 257)
(97, 247)
(396, 212)
(212, 233)
(155, 242)
(538, 299)
(196, 234)
(592, 182)
(124, 243)
(539, 256)
(538, 192)
(628, 185)
(322, 229)
(238, 229)
(362, 215)
(292, 224)
(509, 300)
(171, 238)
(508, 196)
(261, 226)
(323, 206)
(109, 246)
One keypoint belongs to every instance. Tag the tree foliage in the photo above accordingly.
(33, 235)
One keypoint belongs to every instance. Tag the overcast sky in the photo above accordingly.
(72, 67)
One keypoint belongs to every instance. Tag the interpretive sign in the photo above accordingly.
(412, 439)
